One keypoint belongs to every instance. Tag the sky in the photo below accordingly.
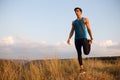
(38, 29)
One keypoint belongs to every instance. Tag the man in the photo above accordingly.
(81, 26)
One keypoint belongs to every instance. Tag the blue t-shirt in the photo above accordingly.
(80, 29)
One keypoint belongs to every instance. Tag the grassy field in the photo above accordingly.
(57, 69)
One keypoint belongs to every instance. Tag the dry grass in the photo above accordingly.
(57, 69)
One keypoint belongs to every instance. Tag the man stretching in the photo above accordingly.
(81, 26)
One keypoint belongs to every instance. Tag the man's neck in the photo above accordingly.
(79, 17)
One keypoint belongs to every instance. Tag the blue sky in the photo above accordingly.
(49, 22)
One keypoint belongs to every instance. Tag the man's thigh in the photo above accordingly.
(86, 47)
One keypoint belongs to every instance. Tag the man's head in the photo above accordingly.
(78, 11)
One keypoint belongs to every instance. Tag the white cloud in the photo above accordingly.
(7, 40)
(106, 48)
(19, 47)
(107, 43)
(21, 40)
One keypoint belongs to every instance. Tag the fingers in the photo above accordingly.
(68, 41)
(90, 42)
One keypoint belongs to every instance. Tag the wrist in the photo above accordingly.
(68, 38)
(91, 38)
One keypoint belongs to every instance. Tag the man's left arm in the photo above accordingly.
(88, 28)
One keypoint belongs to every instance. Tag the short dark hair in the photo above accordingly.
(78, 8)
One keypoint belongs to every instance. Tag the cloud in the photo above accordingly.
(7, 41)
(108, 43)
(106, 48)
(21, 47)
(116, 46)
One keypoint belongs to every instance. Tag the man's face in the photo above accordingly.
(78, 12)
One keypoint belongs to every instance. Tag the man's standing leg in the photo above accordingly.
(78, 45)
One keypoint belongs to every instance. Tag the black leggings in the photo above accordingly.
(86, 48)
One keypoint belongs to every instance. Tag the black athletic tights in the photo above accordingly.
(86, 48)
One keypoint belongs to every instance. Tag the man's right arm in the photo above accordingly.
(71, 34)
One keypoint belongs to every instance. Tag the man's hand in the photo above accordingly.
(68, 41)
(90, 41)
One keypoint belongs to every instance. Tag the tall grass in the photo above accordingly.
(56, 69)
